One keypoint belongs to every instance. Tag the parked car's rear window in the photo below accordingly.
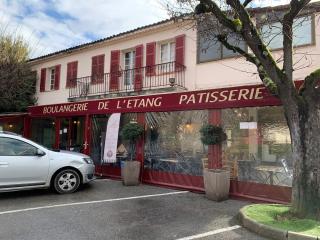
(15, 147)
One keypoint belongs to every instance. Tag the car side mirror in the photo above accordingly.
(40, 153)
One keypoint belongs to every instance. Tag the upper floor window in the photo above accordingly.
(209, 48)
(50, 78)
(129, 65)
(52, 74)
(302, 33)
(167, 52)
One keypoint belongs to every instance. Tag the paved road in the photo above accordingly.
(108, 210)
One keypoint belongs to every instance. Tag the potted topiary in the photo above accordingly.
(130, 170)
(216, 181)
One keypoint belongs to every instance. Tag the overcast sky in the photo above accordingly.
(52, 25)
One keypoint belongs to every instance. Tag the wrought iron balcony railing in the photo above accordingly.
(158, 76)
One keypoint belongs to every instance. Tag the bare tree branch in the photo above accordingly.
(267, 66)
(251, 58)
(253, 39)
(246, 3)
(295, 7)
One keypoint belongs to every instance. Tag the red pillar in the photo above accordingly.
(215, 151)
(87, 135)
(27, 127)
(140, 143)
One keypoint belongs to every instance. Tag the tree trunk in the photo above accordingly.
(304, 123)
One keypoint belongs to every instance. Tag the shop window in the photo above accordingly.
(99, 125)
(258, 146)
(43, 131)
(71, 134)
(172, 142)
(302, 33)
(14, 125)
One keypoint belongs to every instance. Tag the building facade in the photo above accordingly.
(172, 80)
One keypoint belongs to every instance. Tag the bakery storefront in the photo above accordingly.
(257, 150)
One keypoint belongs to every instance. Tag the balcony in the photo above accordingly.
(158, 78)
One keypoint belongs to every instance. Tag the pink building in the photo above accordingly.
(170, 79)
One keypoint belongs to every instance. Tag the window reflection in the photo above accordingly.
(258, 147)
(172, 142)
(43, 131)
(99, 124)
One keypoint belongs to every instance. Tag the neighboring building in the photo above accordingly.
(168, 78)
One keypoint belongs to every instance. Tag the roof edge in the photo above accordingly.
(156, 24)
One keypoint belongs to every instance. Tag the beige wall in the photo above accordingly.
(214, 74)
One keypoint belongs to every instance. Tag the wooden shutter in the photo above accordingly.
(57, 77)
(97, 69)
(138, 75)
(114, 70)
(151, 59)
(100, 68)
(43, 76)
(72, 71)
(94, 69)
(180, 42)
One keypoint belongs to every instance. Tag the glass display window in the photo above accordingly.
(172, 142)
(258, 146)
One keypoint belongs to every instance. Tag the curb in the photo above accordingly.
(270, 232)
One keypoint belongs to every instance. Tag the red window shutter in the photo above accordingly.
(57, 77)
(138, 75)
(114, 70)
(97, 69)
(72, 68)
(75, 73)
(180, 42)
(100, 68)
(43, 76)
(94, 69)
(151, 59)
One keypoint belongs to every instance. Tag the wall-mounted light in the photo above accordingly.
(172, 81)
(75, 122)
(10, 126)
(188, 124)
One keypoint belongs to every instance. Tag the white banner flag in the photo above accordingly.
(111, 139)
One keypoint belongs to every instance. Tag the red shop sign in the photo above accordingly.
(248, 96)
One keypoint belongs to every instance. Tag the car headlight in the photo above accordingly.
(88, 160)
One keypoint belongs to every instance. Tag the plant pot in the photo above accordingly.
(130, 173)
(216, 184)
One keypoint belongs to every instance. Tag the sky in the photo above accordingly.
(52, 25)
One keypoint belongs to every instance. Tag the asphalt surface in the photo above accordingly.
(118, 213)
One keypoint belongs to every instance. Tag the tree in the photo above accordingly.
(301, 106)
(17, 80)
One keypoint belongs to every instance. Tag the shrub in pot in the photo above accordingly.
(216, 181)
(131, 168)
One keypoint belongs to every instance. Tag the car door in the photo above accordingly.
(20, 165)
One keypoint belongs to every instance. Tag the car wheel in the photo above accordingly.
(66, 181)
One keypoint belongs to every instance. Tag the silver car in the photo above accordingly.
(25, 164)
